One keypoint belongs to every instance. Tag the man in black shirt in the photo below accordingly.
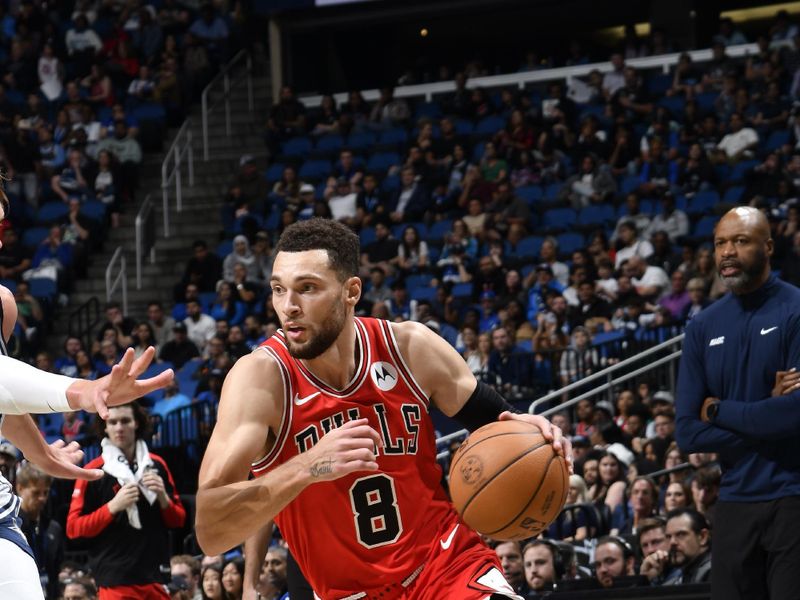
(383, 252)
(180, 350)
(204, 269)
(14, 258)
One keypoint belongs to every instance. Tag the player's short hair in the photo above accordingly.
(28, 475)
(341, 244)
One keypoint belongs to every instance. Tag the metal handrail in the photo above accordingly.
(428, 90)
(607, 374)
(83, 319)
(181, 146)
(145, 237)
(120, 281)
(227, 88)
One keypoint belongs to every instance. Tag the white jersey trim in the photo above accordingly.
(266, 461)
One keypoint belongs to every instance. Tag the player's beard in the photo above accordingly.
(747, 275)
(323, 337)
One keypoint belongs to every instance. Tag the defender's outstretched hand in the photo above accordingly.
(118, 387)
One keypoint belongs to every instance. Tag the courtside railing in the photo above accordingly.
(118, 282)
(221, 87)
(661, 356)
(428, 90)
(145, 237)
(179, 154)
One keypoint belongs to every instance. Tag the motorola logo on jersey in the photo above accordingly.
(384, 375)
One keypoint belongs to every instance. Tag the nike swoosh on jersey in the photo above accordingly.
(446, 543)
(298, 401)
(766, 331)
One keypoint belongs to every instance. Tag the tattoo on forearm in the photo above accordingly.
(322, 467)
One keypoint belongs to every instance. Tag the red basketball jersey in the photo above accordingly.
(369, 529)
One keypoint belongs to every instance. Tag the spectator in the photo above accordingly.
(677, 495)
(44, 534)
(549, 254)
(343, 202)
(74, 426)
(226, 307)
(173, 400)
(160, 323)
(593, 184)
(180, 349)
(614, 559)
(677, 300)
(287, 118)
(411, 200)
(739, 143)
(614, 79)
(591, 310)
(510, 556)
(210, 29)
(509, 365)
(688, 534)
(539, 560)
(65, 365)
(204, 269)
(50, 73)
(232, 577)
(128, 154)
(128, 511)
(142, 87)
(663, 255)
(82, 44)
(609, 488)
(14, 258)
(650, 282)
(252, 183)
(81, 588)
(671, 220)
(200, 327)
(642, 503)
(651, 535)
(71, 180)
(389, 111)
(272, 584)
(377, 291)
(705, 491)
(240, 254)
(383, 252)
(580, 359)
(212, 582)
(728, 35)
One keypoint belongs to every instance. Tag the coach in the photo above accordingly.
(733, 354)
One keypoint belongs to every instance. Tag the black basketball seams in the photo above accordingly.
(489, 437)
(502, 470)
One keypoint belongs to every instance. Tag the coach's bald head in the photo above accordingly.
(742, 247)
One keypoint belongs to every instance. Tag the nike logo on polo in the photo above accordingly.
(446, 543)
(766, 331)
(298, 401)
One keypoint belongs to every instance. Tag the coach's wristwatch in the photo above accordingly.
(711, 410)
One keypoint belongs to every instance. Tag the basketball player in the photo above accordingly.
(331, 416)
(25, 389)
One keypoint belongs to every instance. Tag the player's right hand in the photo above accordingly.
(343, 450)
(786, 382)
(126, 497)
(654, 564)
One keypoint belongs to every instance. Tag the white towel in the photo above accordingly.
(116, 465)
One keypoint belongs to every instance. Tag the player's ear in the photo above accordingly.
(353, 290)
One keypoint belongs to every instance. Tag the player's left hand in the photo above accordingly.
(61, 460)
(551, 433)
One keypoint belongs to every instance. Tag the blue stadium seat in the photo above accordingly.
(529, 247)
(428, 110)
(658, 84)
(570, 242)
(395, 135)
(51, 213)
(733, 195)
(705, 101)
(630, 184)
(530, 193)
(10, 284)
(94, 209)
(224, 248)
(297, 147)
(315, 169)
(185, 377)
(275, 172)
(152, 111)
(391, 183)
(552, 190)
(359, 140)
(462, 290)
(423, 293)
(381, 161)
(776, 140)
(206, 299)
(741, 169)
(477, 151)
(703, 202)
(43, 288)
(596, 214)
(418, 281)
(705, 226)
(490, 125)
(463, 126)
(366, 235)
(560, 218)
(330, 143)
(674, 104)
(438, 230)
(34, 236)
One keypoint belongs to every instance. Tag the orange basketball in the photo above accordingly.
(507, 482)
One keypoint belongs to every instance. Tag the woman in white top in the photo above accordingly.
(50, 74)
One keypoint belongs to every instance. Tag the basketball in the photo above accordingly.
(507, 482)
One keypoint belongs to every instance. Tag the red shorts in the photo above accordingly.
(148, 591)
(459, 566)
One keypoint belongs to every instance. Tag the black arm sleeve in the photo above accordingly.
(482, 407)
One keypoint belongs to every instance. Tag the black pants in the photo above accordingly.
(299, 589)
(755, 550)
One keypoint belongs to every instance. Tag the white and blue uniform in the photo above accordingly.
(19, 575)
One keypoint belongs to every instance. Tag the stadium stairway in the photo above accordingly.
(200, 217)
